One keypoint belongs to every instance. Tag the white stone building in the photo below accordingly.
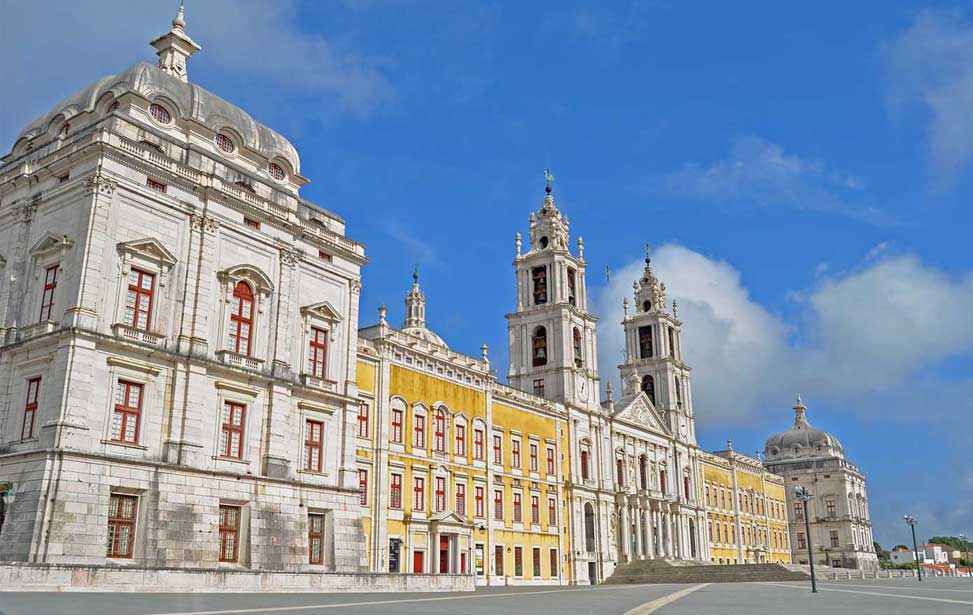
(841, 526)
(178, 337)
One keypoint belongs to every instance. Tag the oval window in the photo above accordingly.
(277, 172)
(224, 143)
(160, 113)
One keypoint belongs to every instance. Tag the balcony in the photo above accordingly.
(240, 360)
(37, 329)
(321, 384)
(137, 335)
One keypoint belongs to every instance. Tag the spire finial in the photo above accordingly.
(415, 274)
(609, 390)
(179, 21)
(483, 352)
(648, 250)
(382, 311)
(174, 47)
(518, 241)
(800, 413)
(675, 309)
(729, 444)
(549, 178)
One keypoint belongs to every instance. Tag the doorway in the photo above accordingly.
(418, 562)
(444, 555)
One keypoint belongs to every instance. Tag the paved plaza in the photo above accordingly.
(861, 597)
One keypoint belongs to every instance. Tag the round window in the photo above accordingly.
(277, 172)
(112, 107)
(224, 143)
(160, 113)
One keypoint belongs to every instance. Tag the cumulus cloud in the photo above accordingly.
(931, 64)
(759, 172)
(866, 332)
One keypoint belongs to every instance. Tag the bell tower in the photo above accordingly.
(551, 334)
(653, 355)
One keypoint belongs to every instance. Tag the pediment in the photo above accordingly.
(449, 518)
(49, 242)
(148, 247)
(323, 310)
(250, 273)
(640, 410)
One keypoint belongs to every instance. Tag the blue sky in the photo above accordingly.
(803, 173)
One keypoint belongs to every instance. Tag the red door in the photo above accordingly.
(417, 566)
(462, 563)
(443, 555)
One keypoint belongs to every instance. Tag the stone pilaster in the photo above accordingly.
(88, 286)
(194, 331)
(12, 294)
(283, 359)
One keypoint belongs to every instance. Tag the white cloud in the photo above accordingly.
(758, 172)
(931, 63)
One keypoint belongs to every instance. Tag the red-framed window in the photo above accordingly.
(155, 185)
(160, 113)
(128, 410)
(317, 353)
(584, 465)
(229, 533)
(138, 302)
(315, 538)
(515, 453)
(419, 432)
(397, 417)
(535, 562)
(550, 461)
(363, 419)
(801, 541)
(461, 440)
(498, 559)
(325, 256)
(313, 443)
(277, 171)
(241, 319)
(231, 432)
(461, 499)
(30, 408)
(478, 504)
(254, 224)
(121, 524)
(555, 564)
(539, 387)
(498, 504)
(532, 448)
(47, 296)
(497, 449)
(478, 444)
(363, 486)
(518, 561)
(552, 511)
(620, 472)
(395, 489)
(224, 142)
(440, 499)
(535, 510)
(419, 494)
(518, 508)
(439, 436)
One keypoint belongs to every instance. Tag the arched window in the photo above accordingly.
(645, 342)
(224, 142)
(539, 277)
(539, 347)
(439, 435)
(578, 354)
(620, 472)
(585, 461)
(648, 385)
(646, 306)
(662, 482)
(241, 319)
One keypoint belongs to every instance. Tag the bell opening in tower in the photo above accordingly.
(539, 347)
(648, 386)
(645, 342)
(539, 275)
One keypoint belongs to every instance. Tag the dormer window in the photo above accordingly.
(224, 143)
(112, 107)
(539, 347)
(539, 277)
(65, 129)
(276, 171)
(158, 113)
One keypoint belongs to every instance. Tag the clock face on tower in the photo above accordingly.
(582, 387)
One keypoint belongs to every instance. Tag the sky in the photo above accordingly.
(803, 173)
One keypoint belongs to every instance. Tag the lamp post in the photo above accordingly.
(911, 521)
(966, 545)
(805, 496)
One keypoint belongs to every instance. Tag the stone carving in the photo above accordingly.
(290, 257)
(26, 211)
(100, 184)
(355, 286)
(204, 223)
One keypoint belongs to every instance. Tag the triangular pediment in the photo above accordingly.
(449, 518)
(640, 410)
(323, 310)
(51, 241)
(151, 248)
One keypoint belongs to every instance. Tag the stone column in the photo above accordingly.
(12, 293)
(623, 534)
(667, 522)
(647, 528)
(639, 528)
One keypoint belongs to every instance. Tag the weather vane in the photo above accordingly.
(549, 177)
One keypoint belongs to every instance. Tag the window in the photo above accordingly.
(678, 388)
(535, 562)
(550, 460)
(112, 107)
(685, 486)
(121, 524)
(478, 496)
(396, 491)
(555, 564)
(313, 442)
(363, 486)
(439, 435)
(801, 541)
(276, 171)
(478, 444)
(155, 185)
(461, 499)
(584, 465)
(419, 432)
(315, 538)
(798, 510)
(644, 474)
(224, 143)
(539, 387)
(535, 510)
(498, 560)
(460, 441)
(832, 508)
(518, 561)
(834, 538)
(662, 482)
(539, 347)
(325, 256)
(47, 296)
(515, 453)
(440, 499)
(138, 302)
(397, 415)
(648, 385)
(620, 472)
(498, 504)
(497, 449)
(578, 352)
(533, 457)
(518, 509)
(572, 287)
(231, 431)
(419, 494)
(250, 222)
(159, 113)
(539, 277)
(363, 419)
(241, 319)
(128, 409)
(672, 346)
(645, 342)
(30, 408)
(552, 511)
(229, 533)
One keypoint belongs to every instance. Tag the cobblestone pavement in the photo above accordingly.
(858, 597)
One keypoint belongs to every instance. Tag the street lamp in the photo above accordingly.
(802, 494)
(966, 546)
(911, 521)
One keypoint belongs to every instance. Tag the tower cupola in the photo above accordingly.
(175, 47)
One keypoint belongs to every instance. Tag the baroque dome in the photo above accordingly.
(802, 440)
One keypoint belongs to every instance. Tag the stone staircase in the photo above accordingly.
(683, 571)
